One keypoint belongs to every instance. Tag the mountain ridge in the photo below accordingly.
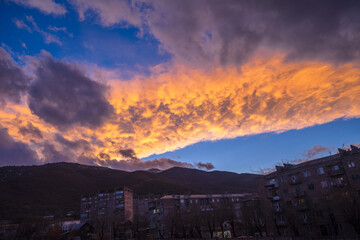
(56, 188)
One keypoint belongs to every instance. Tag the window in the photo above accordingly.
(293, 178)
(320, 170)
(286, 191)
(277, 206)
(324, 184)
(356, 177)
(351, 164)
(338, 182)
(282, 179)
(307, 173)
(335, 168)
(305, 217)
(273, 181)
(311, 186)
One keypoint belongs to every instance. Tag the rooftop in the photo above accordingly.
(241, 195)
(319, 161)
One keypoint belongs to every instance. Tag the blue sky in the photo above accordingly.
(137, 85)
(253, 153)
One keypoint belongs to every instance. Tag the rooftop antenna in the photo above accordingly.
(330, 153)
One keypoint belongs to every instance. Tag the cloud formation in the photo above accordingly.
(315, 150)
(14, 153)
(45, 6)
(13, 83)
(63, 96)
(238, 68)
(31, 26)
(231, 32)
(182, 106)
(111, 11)
(206, 166)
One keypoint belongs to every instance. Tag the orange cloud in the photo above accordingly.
(181, 106)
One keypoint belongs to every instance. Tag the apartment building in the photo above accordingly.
(211, 215)
(148, 216)
(316, 198)
(110, 206)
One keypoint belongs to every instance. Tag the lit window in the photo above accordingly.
(272, 181)
(324, 184)
(351, 164)
(335, 167)
(320, 170)
(306, 173)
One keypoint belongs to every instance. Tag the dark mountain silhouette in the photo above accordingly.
(214, 181)
(55, 189)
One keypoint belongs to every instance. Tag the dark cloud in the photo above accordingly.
(30, 131)
(76, 144)
(13, 83)
(63, 96)
(51, 154)
(232, 31)
(315, 150)
(15, 153)
(207, 166)
(128, 153)
(104, 156)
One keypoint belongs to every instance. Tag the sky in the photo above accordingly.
(216, 85)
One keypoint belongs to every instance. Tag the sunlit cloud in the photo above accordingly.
(174, 107)
(182, 106)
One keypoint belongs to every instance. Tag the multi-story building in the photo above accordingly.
(112, 206)
(148, 216)
(210, 215)
(315, 198)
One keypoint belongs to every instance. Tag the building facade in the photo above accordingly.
(211, 215)
(316, 198)
(115, 205)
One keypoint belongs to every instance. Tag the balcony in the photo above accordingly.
(302, 207)
(280, 223)
(272, 185)
(275, 198)
(334, 173)
(277, 209)
(299, 194)
(295, 181)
